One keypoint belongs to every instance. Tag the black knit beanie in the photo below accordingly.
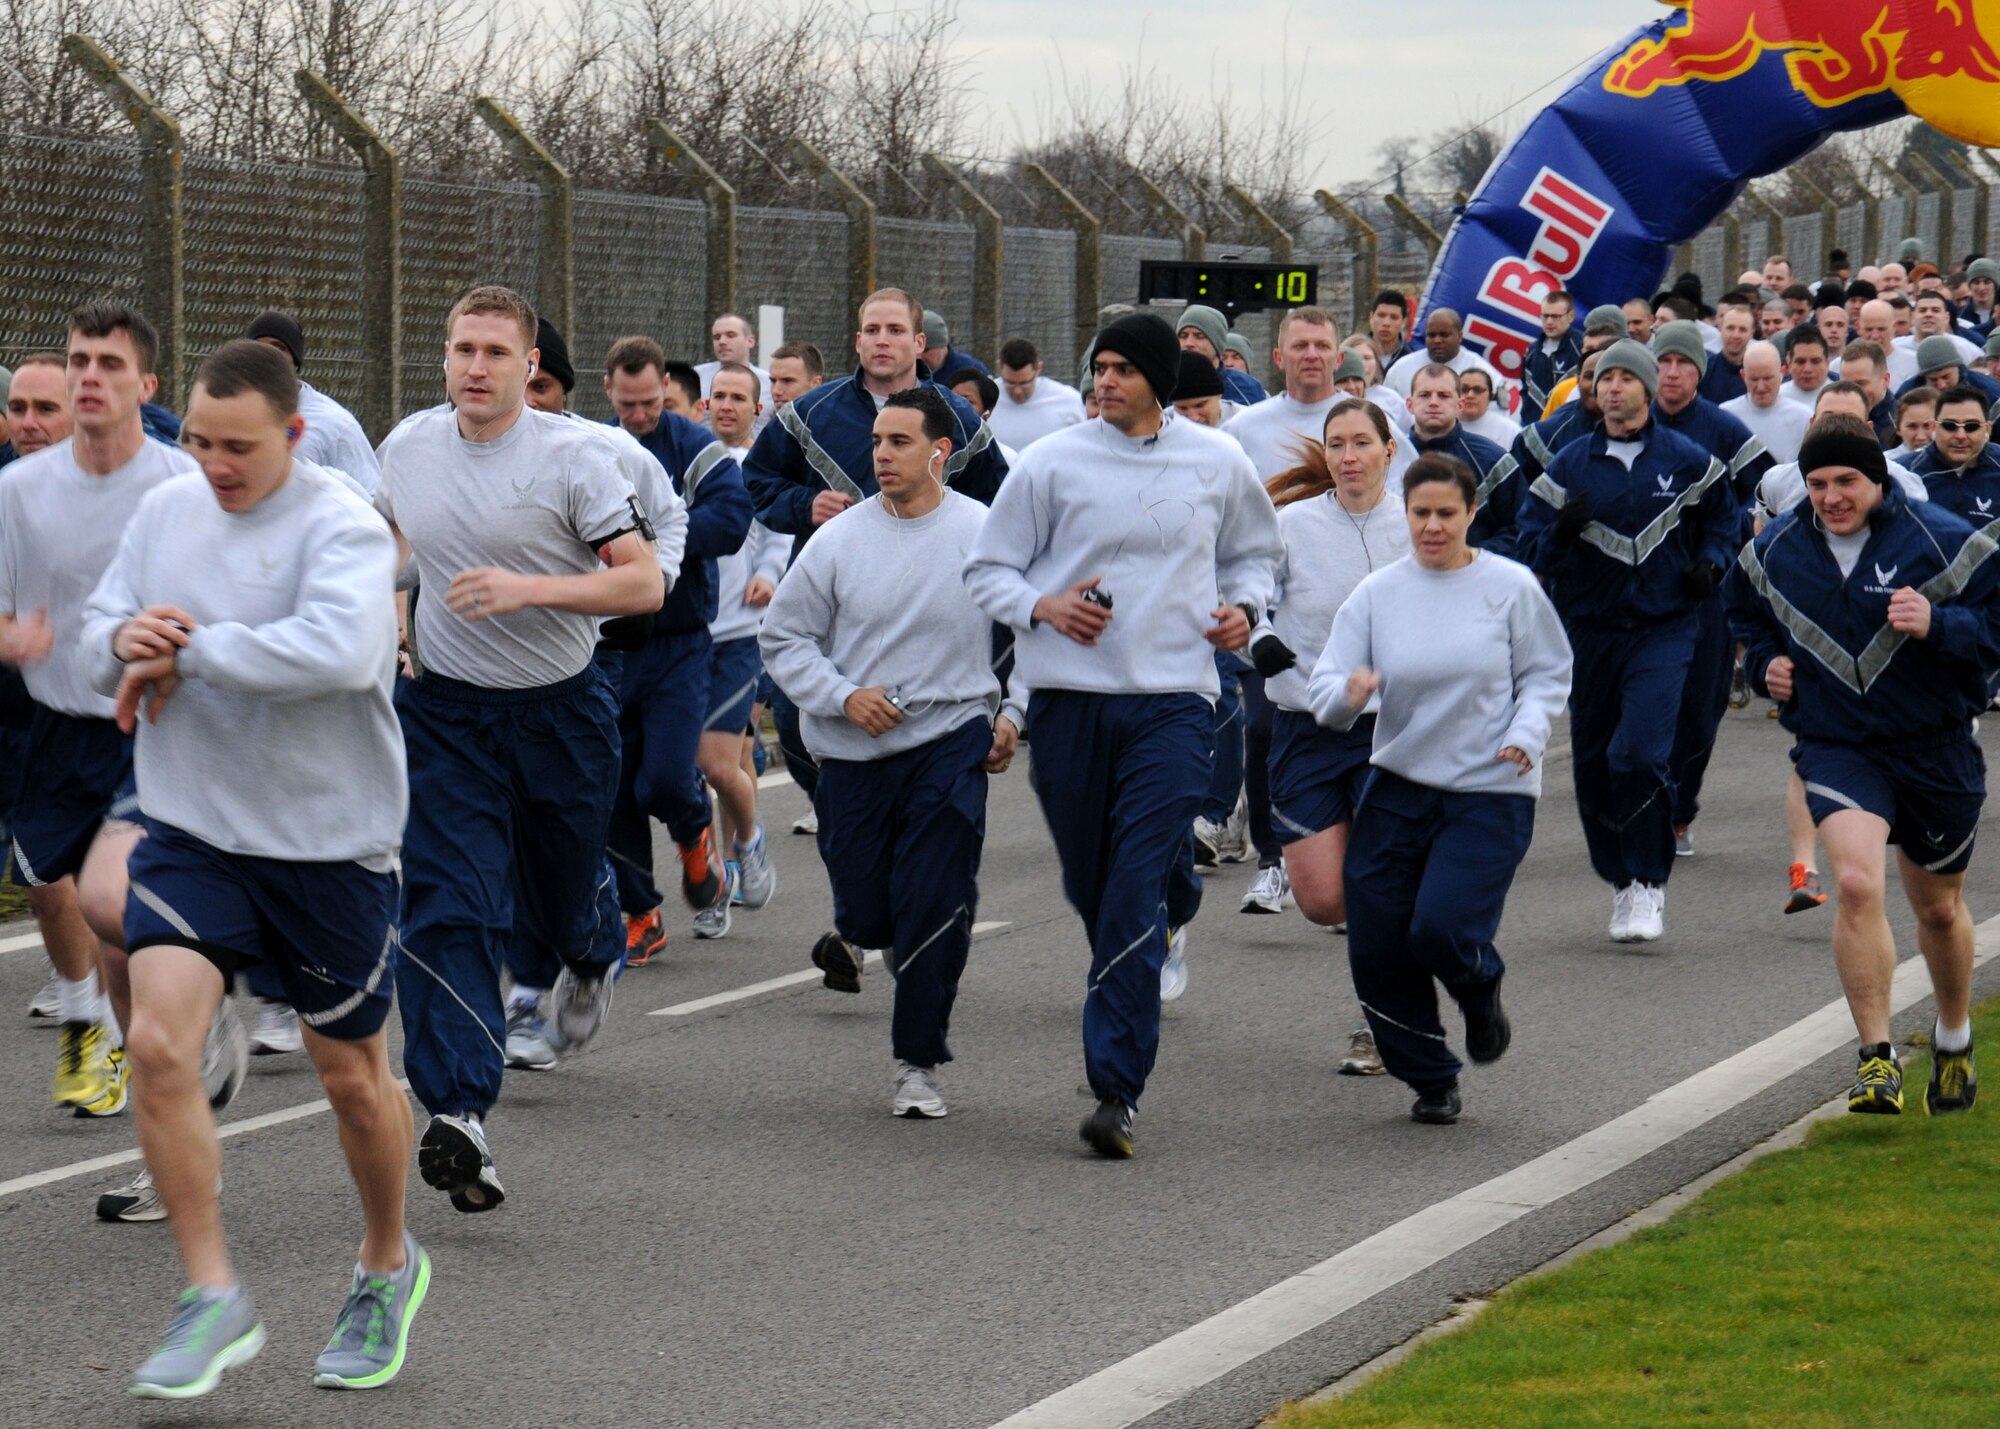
(1148, 343)
(1843, 441)
(555, 354)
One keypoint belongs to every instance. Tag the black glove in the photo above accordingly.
(626, 632)
(1271, 656)
(1698, 581)
(1571, 520)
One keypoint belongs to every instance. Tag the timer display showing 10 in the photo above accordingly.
(1231, 288)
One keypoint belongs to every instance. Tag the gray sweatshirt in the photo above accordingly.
(1328, 552)
(281, 741)
(1471, 660)
(1168, 522)
(876, 600)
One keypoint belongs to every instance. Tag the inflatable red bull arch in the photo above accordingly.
(1668, 125)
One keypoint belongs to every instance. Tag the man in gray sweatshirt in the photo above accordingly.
(874, 636)
(1105, 550)
(247, 628)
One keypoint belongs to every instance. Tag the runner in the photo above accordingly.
(1960, 468)
(1444, 342)
(796, 368)
(874, 634)
(732, 339)
(1762, 409)
(1632, 525)
(248, 630)
(1121, 709)
(1554, 357)
(1874, 624)
(1480, 415)
(1206, 331)
(1436, 429)
(1916, 422)
(1807, 369)
(1726, 379)
(524, 533)
(1308, 356)
(1466, 662)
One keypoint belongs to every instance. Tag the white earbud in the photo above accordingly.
(532, 369)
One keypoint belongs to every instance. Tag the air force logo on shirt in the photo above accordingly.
(1666, 483)
(1884, 581)
(1984, 503)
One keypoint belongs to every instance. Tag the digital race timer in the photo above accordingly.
(1229, 286)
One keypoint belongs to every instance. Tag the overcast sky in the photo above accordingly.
(1375, 69)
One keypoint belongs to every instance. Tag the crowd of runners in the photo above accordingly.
(389, 725)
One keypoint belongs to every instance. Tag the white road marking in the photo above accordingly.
(1147, 1382)
(778, 984)
(774, 778)
(20, 944)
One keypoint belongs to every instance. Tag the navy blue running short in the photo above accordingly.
(734, 669)
(75, 773)
(1317, 774)
(1929, 792)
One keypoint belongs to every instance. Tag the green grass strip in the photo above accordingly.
(1851, 1280)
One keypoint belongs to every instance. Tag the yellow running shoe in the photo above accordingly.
(81, 1071)
(1878, 1084)
(117, 1086)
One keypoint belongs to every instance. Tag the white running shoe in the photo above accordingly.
(528, 1044)
(1207, 842)
(1624, 902)
(758, 879)
(1270, 893)
(1234, 834)
(277, 1030)
(225, 1059)
(806, 823)
(578, 1006)
(714, 920)
(47, 1004)
(1649, 912)
(138, 1200)
(1174, 973)
(917, 1093)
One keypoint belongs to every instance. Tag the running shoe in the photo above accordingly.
(1174, 973)
(84, 1068)
(373, 1331)
(211, 1331)
(1108, 1130)
(1270, 893)
(1683, 843)
(1649, 912)
(701, 872)
(528, 1044)
(1234, 833)
(225, 1056)
(1487, 1029)
(760, 880)
(1622, 902)
(917, 1093)
(578, 1005)
(1739, 688)
(112, 1099)
(47, 1004)
(277, 1030)
(137, 1200)
(1207, 842)
(1806, 892)
(733, 871)
(643, 938)
(453, 1158)
(1954, 1083)
(714, 920)
(1362, 1059)
(1878, 1084)
(806, 823)
(836, 957)
(1437, 1108)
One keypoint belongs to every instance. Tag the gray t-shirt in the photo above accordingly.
(59, 529)
(538, 500)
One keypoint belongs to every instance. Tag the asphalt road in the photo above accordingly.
(712, 1219)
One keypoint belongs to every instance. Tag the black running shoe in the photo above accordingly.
(1954, 1083)
(833, 956)
(452, 1157)
(1108, 1130)
(1878, 1083)
(1487, 1030)
(1437, 1108)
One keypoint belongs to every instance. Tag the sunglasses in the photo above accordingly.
(1955, 426)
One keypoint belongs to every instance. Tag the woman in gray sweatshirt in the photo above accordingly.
(1467, 663)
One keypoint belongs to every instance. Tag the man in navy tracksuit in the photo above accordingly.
(1680, 408)
(817, 458)
(663, 692)
(1632, 527)
(1873, 620)
(1434, 419)
(1555, 356)
(1961, 468)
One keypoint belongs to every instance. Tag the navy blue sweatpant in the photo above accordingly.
(1426, 874)
(1624, 702)
(901, 838)
(1704, 702)
(509, 791)
(1225, 783)
(662, 706)
(1120, 779)
(1257, 710)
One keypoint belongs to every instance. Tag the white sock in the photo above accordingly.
(743, 845)
(79, 1001)
(518, 996)
(109, 1020)
(1952, 1039)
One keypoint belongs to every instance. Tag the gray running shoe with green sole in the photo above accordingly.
(373, 1330)
(210, 1332)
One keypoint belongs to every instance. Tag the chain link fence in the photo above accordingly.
(456, 236)
(633, 275)
(796, 259)
(1038, 294)
(69, 213)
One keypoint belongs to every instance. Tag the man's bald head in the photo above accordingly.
(1877, 322)
(1762, 357)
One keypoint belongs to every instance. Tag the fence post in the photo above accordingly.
(861, 241)
(1367, 251)
(1194, 240)
(1903, 186)
(1927, 172)
(1982, 199)
(1732, 248)
(987, 252)
(1415, 224)
(1274, 235)
(163, 235)
(381, 254)
(555, 297)
(720, 199)
(1089, 232)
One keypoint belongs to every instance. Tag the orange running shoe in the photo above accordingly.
(1806, 892)
(644, 937)
(701, 874)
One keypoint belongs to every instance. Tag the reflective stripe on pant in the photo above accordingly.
(662, 705)
(1427, 874)
(1120, 779)
(1704, 701)
(508, 795)
(901, 838)
(1625, 699)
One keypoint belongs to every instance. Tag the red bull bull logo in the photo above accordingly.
(1835, 50)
